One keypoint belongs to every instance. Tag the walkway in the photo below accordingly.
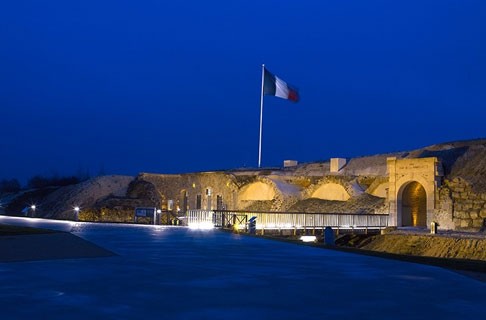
(178, 273)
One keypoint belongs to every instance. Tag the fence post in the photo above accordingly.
(367, 224)
(338, 224)
(305, 223)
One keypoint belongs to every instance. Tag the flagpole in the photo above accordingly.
(261, 119)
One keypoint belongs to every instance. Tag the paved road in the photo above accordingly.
(178, 273)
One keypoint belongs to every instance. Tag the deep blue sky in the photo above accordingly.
(174, 86)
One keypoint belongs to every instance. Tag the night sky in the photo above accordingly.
(122, 87)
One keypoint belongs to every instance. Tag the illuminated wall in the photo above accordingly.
(381, 191)
(331, 191)
(257, 191)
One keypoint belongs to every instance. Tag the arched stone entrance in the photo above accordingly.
(413, 185)
(412, 210)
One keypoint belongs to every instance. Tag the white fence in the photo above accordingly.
(289, 220)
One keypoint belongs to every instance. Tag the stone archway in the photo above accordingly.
(407, 178)
(412, 209)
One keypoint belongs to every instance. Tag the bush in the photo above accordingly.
(7, 186)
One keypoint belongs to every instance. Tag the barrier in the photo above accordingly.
(289, 220)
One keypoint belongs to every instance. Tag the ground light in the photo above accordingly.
(308, 238)
(76, 212)
(201, 226)
(32, 212)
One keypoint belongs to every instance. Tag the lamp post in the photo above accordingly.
(158, 216)
(76, 213)
(32, 211)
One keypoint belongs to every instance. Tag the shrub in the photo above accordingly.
(8, 186)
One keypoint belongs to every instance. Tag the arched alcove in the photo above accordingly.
(331, 191)
(257, 191)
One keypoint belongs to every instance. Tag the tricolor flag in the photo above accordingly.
(274, 86)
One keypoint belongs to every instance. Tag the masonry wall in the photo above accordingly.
(171, 187)
(459, 207)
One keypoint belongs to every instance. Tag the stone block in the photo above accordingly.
(472, 196)
(477, 205)
(482, 213)
(461, 214)
(477, 223)
(474, 214)
(466, 223)
(456, 195)
(290, 163)
(457, 223)
(337, 164)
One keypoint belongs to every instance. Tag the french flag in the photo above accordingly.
(274, 86)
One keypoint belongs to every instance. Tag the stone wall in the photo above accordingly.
(349, 183)
(468, 208)
(172, 187)
(364, 203)
(379, 187)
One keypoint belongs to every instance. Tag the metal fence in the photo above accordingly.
(198, 218)
(290, 220)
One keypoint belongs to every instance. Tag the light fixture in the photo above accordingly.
(201, 226)
(308, 238)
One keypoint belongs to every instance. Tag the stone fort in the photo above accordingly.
(443, 183)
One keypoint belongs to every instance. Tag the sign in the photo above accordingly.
(145, 212)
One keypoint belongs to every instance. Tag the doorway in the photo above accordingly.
(414, 205)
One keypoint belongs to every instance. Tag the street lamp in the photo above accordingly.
(32, 208)
(76, 213)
